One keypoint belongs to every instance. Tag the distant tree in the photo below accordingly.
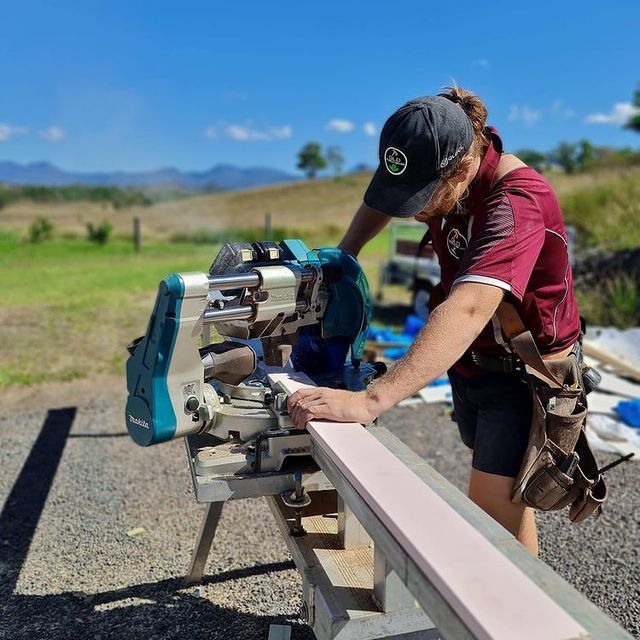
(535, 159)
(565, 154)
(311, 160)
(585, 154)
(335, 159)
(634, 121)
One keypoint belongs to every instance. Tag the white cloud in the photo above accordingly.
(247, 133)
(53, 134)
(370, 129)
(524, 114)
(483, 63)
(7, 131)
(620, 114)
(340, 125)
(558, 108)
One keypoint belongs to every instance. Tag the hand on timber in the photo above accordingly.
(321, 403)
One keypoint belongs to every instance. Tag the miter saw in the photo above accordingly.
(269, 305)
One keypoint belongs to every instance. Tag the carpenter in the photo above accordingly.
(497, 229)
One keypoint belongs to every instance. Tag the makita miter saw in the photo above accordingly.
(270, 305)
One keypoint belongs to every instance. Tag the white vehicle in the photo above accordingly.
(419, 272)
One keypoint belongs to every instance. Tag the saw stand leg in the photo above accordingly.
(203, 545)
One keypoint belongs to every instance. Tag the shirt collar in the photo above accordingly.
(481, 185)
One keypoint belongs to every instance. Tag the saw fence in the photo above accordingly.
(391, 550)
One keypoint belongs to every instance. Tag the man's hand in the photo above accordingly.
(321, 403)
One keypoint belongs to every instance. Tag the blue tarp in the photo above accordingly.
(629, 411)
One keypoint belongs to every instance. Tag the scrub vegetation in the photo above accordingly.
(71, 305)
(118, 198)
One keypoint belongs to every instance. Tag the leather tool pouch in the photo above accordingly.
(558, 468)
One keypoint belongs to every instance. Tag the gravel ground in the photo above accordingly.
(72, 485)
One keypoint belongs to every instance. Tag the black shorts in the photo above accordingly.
(493, 412)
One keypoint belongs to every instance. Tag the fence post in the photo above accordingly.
(137, 235)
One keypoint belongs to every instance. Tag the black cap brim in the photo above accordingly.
(398, 200)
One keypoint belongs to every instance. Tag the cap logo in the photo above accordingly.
(395, 161)
(448, 159)
(456, 244)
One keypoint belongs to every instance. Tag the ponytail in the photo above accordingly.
(477, 113)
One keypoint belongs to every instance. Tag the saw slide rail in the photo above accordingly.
(469, 575)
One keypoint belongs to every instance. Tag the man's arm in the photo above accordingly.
(451, 328)
(366, 224)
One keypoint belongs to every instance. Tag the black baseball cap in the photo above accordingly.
(422, 139)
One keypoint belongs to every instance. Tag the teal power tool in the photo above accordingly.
(273, 305)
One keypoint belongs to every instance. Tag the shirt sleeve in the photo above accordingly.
(504, 250)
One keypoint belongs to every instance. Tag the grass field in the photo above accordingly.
(299, 204)
(604, 206)
(69, 307)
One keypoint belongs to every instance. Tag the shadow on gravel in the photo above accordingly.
(23, 508)
(162, 609)
(152, 610)
(99, 435)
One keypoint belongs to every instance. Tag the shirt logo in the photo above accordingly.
(448, 159)
(395, 161)
(456, 244)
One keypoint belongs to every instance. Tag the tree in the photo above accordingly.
(335, 160)
(634, 120)
(565, 155)
(311, 160)
(586, 155)
(535, 159)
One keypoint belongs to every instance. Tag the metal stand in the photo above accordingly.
(208, 527)
(349, 591)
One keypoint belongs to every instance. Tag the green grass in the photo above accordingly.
(70, 307)
(616, 302)
(606, 215)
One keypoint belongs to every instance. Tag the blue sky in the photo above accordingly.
(140, 85)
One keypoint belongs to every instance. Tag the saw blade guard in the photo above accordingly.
(345, 324)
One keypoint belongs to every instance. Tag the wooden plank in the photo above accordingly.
(613, 383)
(488, 594)
(597, 623)
(621, 365)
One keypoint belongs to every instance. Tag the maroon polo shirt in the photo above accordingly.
(511, 236)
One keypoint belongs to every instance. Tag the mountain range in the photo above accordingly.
(218, 177)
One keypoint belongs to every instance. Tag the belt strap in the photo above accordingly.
(522, 343)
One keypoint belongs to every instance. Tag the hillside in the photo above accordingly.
(295, 204)
(604, 206)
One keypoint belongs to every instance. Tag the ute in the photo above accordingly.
(418, 270)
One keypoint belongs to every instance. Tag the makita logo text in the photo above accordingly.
(139, 421)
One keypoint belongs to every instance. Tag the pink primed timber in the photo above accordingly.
(493, 598)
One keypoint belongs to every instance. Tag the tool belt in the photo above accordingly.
(558, 468)
(510, 364)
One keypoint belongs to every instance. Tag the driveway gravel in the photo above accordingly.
(72, 485)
